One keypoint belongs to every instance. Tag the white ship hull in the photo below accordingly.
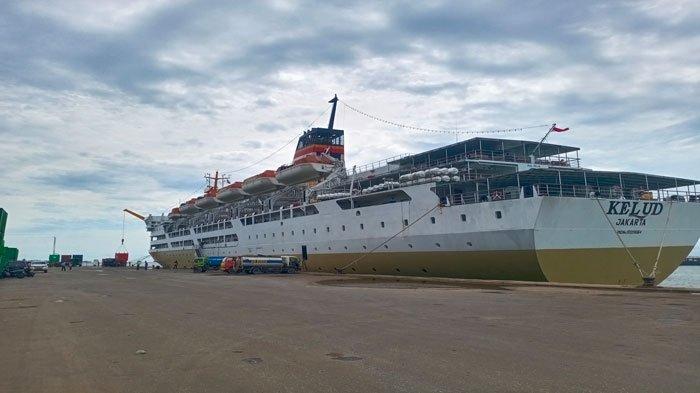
(540, 238)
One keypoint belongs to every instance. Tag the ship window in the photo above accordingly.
(298, 212)
(329, 248)
(249, 220)
(432, 220)
(229, 224)
(382, 224)
(346, 247)
(405, 222)
(374, 199)
(364, 247)
(343, 228)
(314, 230)
(469, 244)
(292, 233)
(286, 214)
(248, 236)
(265, 235)
(357, 213)
(281, 223)
(256, 236)
(362, 226)
(328, 229)
(410, 245)
(437, 244)
(386, 246)
(303, 231)
(282, 233)
(498, 214)
(464, 217)
(273, 234)
(311, 209)
(275, 216)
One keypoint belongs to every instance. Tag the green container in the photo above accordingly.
(3, 223)
(54, 259)
(11, 254)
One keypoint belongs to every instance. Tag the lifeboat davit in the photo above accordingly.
(261, 183)
(174, 213)
(305, 169)
(231, 193)
(188, 207)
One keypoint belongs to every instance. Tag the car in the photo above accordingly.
(40, 266)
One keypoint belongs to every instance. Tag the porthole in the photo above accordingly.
(410, 245)
(292, 233)
(498, 214)
(432, 220)
(343, 227)
(364, 247)
(315, 248)
(303, 231)
(464, 217)
(374, 269)
(382, 224)
(424, 270)
(281, 223)
(405, 222)
(437, 244)
(386, 246)
(314, 230)
(469, 244)
(328, 229)
(362, 226)
(357, 213)
(398, 270)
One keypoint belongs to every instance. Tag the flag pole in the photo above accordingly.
(532, 155)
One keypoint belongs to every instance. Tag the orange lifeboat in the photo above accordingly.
(188, 207)
(231, 193)
(304, 169)
(261, 183)
(208, 200)
(175, 213)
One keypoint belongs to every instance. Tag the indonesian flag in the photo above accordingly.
(557, 129)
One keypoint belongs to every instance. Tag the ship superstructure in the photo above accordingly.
(480, 208)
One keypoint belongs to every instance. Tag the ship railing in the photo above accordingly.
(376, 164)
(576, 191)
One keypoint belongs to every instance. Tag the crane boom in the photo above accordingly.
(133, 213)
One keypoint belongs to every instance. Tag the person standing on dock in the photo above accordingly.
(63, 266)
(138, 265)
(175, 265)
(145, 265)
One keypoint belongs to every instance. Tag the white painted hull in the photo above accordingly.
(539, 238)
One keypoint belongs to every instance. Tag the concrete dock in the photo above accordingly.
(85, 331)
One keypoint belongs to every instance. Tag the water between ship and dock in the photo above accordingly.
(684, 277)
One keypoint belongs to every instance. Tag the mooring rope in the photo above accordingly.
(340, 270)
(634, 260)
(423, 129)
(663, 239)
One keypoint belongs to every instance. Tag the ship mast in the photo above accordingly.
(334, 101)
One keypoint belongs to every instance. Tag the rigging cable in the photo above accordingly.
(414, 128)
(283, 146)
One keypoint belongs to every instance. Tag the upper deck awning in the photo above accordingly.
(605, 179)
(499, 148)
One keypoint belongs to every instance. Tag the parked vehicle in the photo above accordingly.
(261, 264)
(202, 264)
(39, 266)
(18, 269)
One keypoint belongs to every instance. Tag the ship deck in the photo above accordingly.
(215, 332)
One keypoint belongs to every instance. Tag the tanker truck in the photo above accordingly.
(261, 264)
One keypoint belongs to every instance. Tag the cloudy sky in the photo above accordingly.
(106, 105)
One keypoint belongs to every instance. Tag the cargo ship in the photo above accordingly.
(482, 208)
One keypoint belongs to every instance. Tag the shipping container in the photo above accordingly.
(121, 258)
(110, 262)
(77, 260)
(3, 224)
(10, 254)
(54, 259)
(65, 258)
(214, 262)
